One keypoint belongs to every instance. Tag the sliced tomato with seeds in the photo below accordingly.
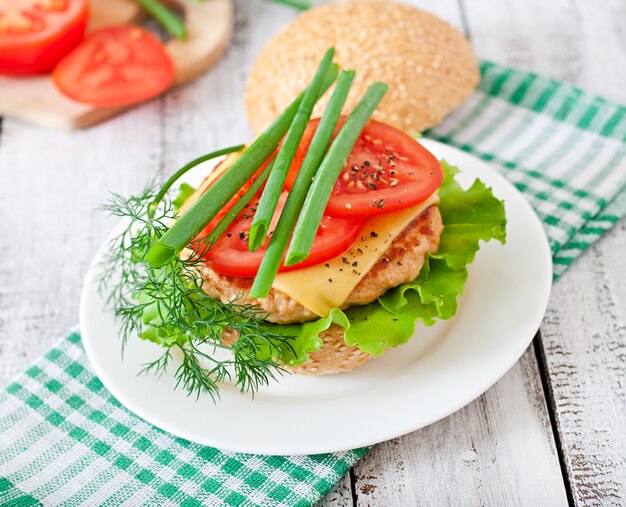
(387, 170)
(115, 66)
(36, 34)
(230, 255)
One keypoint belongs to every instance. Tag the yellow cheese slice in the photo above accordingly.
(325, 286)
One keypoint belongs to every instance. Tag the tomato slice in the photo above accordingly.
(36, 34)
(115, 66)
(386, 171)
(230, 256)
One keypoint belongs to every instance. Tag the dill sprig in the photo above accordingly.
(168, 306)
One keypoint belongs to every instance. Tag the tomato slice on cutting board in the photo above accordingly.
(115, 66)
(36, 34)
(230, 255)
(387, 170)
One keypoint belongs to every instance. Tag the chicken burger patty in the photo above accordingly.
(400, 263)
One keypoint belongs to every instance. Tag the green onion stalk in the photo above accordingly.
(280, 239)
(165, 17)
(286, 154)
(332, 165)
(301, 5)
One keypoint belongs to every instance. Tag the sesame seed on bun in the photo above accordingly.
(429, 66)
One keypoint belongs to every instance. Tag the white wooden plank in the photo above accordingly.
(52, 183)
(584, 340)
(577, 42)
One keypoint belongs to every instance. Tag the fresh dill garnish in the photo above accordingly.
(168, 306)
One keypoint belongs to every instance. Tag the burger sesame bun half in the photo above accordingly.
(429, 66)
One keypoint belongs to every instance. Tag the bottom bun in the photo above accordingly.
(335, 356)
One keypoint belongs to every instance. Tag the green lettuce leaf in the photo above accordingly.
(374, 329)
(437, 288)
(468, 216)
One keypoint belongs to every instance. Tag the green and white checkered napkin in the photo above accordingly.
(64, 440)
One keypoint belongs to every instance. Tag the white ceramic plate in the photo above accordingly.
(439, 371)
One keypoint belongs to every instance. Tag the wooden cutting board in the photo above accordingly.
(36, 100)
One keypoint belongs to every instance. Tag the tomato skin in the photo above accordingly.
(387, 170)
(114, 67)
(229, 256)
(57, 33)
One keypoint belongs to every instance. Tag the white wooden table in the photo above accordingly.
(552, 431)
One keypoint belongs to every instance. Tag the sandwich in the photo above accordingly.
(312, 250)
